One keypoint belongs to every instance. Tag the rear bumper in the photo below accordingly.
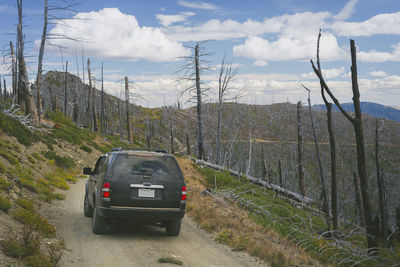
(142, 213)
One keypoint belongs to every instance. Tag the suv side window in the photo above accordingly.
(98, 164)
(104, 166)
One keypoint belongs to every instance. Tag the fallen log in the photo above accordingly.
(276, 188)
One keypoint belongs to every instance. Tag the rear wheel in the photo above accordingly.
(87, 209)
(173, 227)
(99, 224)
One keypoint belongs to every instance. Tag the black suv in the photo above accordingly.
(135, 185)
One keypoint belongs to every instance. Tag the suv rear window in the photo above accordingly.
(133, 164)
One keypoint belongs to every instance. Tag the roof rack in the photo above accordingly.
(139, 149)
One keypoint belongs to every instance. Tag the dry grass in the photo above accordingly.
(232, 226)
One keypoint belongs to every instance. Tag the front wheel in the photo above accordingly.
(98, 223)
(173, 227)
(87, 209)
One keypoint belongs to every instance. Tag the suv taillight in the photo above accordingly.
(106, 189)
(184, 193)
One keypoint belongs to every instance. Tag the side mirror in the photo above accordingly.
(87, 171)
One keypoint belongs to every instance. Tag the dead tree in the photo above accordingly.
(172, 139)
(13, 73)
(302, 183)
(332, 145)
(381, 189)
(128, 121)
(359, 133)
(187, 145)
(75, 105)
(321, 171)
(89, 110)
(65, 89)
(359, 204)
(119, 119)
(40, 64)
(192, 71)
(226, 75)
(27, 98)
(280, 173)
(102, 118)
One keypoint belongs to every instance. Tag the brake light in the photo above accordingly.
(106, 189)
(184, 193)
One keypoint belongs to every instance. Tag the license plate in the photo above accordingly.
(146, 193)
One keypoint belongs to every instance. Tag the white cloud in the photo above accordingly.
(288, 48)
(380, 24)
(3, 8)
(346, 11)
(376, 56)
(109, 33)
(327, 73)
(198, 5)
(378, 73)
(167, 20)
(260, 63)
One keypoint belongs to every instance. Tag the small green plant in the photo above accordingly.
(4, 185)
(33, 220)
(38, 260)
(55, 251)
(31, 159)
(5, 204)
(170, 260)
(26, 203)
(25, 244)
(15, 128)
(63, 162)
(86, 148)
(9, 157)
(2, 168)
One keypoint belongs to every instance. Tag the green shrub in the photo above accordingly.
(37, 260)
(2, 168)
(34, 221)
(86, 148)
(27, 244)
(4, 185)
(5, 204)
(63, 162)
(26, 203)
(9, 157)
(47, 192)
(15, 128)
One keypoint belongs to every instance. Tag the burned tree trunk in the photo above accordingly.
(29, 103)
(359, 133)
(128, 121)
(102, 101)
(14, 73)
(199, 103)
(280, 173)
(172, 139)
(187, 144)
(89, 109)
(302, 183)
(382, 190)
(333, 168)
(332, 146)
(40, 64)
(359, 204)
(119, 120)
(321, 171)
(65, 89)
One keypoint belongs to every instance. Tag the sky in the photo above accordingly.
(270, 43)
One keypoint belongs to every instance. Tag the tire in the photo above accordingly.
(99, 224)
(87, 209)
(173, 227)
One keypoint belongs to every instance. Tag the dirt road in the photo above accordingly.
(136, 245)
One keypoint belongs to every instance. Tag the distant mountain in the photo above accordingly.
(373, 109)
